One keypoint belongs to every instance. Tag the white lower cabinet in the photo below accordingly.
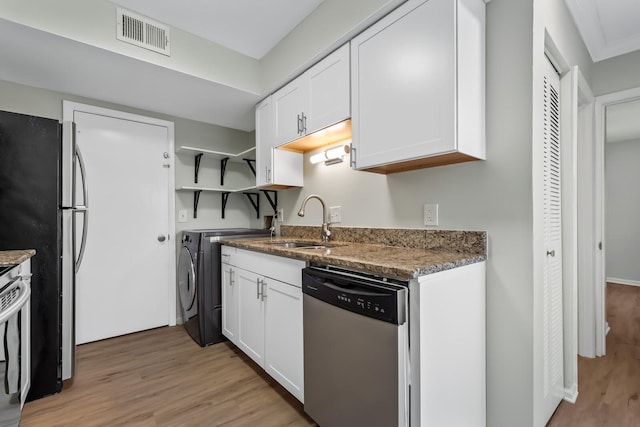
(251, 315)
(229, 299)
(262, 312)
(283, 336)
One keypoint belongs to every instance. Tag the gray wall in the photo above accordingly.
(493, 195)
(622, 210)
(39, 102)
(616, 74)
(328, 27)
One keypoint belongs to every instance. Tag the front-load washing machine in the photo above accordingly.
(199, 280)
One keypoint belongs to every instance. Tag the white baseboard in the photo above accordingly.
(571, 393)
(623, 281)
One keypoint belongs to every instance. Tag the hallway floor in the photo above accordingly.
(609, 386)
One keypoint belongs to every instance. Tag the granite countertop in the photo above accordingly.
(393, 261)
(15, 257)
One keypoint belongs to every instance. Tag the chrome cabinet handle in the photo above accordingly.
(262, 294)
(304, 124)
(299, 124)
(551, 253)
(352, 157)
(258, 288)
(231, 280)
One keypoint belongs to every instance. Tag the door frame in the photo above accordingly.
(68, 110)
(575, 98)
(600, 281)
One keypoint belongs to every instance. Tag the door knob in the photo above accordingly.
(161, 238)
(552, 253)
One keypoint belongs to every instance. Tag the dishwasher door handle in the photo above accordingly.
(353, 290)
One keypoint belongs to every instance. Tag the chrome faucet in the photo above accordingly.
(325, 224)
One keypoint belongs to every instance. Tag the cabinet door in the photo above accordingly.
(264, 142)
(403, 85)
(230, 303)
(250, 315)
(283, 336)
(287, 168)
(288, 104)
(329, 97)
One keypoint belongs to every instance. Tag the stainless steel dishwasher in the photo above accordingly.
(355, 348)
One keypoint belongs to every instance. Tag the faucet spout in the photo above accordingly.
(325, 233)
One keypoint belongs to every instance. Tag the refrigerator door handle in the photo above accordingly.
(83, 175)
(68, 164)
(83, 209)
(83, 242)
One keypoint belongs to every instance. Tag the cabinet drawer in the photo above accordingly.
(284, 269)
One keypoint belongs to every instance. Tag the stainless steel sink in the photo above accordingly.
(304, 245)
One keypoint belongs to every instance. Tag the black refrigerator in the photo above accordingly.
(31, 217)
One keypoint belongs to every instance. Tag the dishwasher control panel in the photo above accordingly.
(359, 294)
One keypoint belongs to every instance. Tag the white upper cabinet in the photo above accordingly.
(417, 87)
(315, 100)
(274, 168)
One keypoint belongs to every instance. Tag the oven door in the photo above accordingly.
(14, 300)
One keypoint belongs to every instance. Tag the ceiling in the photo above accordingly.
(608, 27)
(40, 59)
(251, 27)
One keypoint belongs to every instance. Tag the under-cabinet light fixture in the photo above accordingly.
(331, 156)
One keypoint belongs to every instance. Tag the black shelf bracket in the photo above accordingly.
(252, 165)
(254, 198)
(196, 200)
(225, 198)
(272, 201)
(197, 167)
(223, 169)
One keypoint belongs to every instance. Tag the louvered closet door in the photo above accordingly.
(553, 368)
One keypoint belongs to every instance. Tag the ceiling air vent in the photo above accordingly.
(142, 31)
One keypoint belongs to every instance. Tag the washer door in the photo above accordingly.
(186, 281)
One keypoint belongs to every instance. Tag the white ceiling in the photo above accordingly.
(251, 27)
(608, 27)
(40, 59)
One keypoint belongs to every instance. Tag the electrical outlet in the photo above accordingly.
(431, 214)
(280, 214)
(182, 215)
(335, 214)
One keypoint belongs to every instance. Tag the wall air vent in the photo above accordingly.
(142, 31)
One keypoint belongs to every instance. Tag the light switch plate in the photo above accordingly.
(182, 215)
(431, 214)
(335, 214)
(280, 214)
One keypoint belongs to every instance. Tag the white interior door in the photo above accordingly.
(552, 316)
(122, 285)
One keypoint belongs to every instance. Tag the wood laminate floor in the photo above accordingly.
(609, 386)
(162, 378)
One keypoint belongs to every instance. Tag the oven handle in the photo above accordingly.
(19, 302)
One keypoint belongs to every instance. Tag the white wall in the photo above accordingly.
(622, 210)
